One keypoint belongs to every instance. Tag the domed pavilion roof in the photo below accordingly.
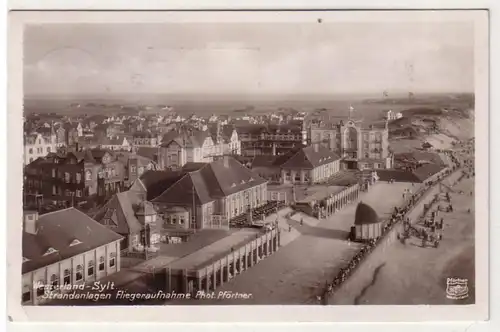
(365, 215)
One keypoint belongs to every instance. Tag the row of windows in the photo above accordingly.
(67, 277)
(39, 150)
(67, 192)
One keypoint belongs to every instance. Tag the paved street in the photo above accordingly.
(410, 274)
(311, 254)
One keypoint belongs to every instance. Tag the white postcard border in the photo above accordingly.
(241, 313)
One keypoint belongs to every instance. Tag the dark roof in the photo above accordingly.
(156, 182)
(397, 175)
(190, 186)
(119, 212)
(307, 158)
(365, 215)
(192, 166)
(419, 156)
(148, 152)
(191, 138)
(170, 136)
(425, 171)
(58, 230)
(210, 181)
(98, 154)
(264, 161)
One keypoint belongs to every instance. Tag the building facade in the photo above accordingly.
(361, 147)
(184, 147)
(308, 165)
(71, 254)
(37, 146)
(269, 139)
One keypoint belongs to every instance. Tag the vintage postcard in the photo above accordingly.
(217, 166)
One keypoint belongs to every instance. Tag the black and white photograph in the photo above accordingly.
(320, 161)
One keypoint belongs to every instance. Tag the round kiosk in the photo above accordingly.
(367, 225)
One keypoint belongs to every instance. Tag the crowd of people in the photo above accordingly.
(399, 215)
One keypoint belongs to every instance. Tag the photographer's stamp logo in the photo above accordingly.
(457, 288)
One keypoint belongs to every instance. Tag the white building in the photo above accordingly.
(37, 145)
(393, 115)
(64, 250)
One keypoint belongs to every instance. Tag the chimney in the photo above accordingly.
(30, 221)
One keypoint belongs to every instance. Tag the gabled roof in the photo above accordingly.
(188, 188)
(98, 154)
(120, 214)
(154, 183)
(58, 230)
(307, 158)
(210, 181)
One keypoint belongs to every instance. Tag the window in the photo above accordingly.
(90, 268)
(78, 177)
(67, 177)
(67, 277)
(101, 263)
(31, 160)
(40, 288)
(78, 193)
(48, 149)
(54, 281)
(174, 220)
(112, 256)
(133, 168)
(182, 220)
(54, 190)
(88, 175)
(26, 294)
(79, 273)
(53, 172)
(30, 151)
(50, 251)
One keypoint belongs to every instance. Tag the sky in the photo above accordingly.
(248, 58)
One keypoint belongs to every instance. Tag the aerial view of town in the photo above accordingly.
(251, 164)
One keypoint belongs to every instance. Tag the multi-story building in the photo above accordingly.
(146, 139)
(181, 147)
(73, 131)
(308, 165)
(226, 140)
(204, 195)
(74, 177)
(61, 136)
(360, 146)
(270, 139)
(64, 250)
(37, 146)
(116, 143)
